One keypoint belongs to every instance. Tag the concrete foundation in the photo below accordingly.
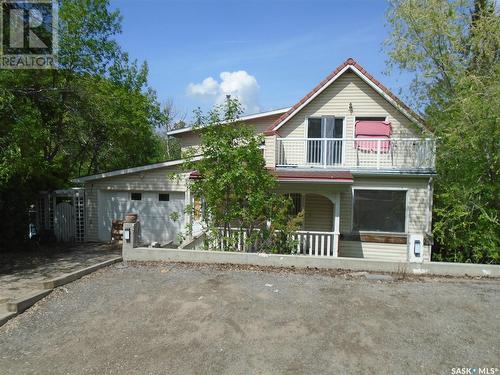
(300, 261)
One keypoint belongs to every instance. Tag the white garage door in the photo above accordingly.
(155, 211)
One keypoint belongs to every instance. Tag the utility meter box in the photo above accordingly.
(416, 248)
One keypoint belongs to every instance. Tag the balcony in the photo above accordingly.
(398, 154)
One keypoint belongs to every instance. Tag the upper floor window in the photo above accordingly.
(379, 210)
(325, 127)
(324, 151)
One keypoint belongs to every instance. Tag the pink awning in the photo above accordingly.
(373, 129)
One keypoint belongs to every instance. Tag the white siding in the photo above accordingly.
(318, 209)
(416, 216)
(270, 151)
(188, 140)
(154, 180)
(318, 213)
(378, 251)
(259, 125)
(335, 99)
(372, 250)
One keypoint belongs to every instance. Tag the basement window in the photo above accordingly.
(136, 196)
(163, 197)
(379, 210)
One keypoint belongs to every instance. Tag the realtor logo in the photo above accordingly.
(28, 34)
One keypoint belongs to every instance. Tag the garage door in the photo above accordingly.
(155, 211)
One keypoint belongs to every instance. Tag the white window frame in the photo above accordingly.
(344, 129)
(407, 208)
(306, 127)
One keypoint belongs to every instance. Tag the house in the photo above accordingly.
(354, 157)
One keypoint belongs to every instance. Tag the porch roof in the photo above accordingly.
(312, 176)
(302, 176)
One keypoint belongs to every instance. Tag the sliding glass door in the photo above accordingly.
(322, 144)
(314, 142)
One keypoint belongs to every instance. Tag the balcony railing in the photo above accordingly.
(357, 153)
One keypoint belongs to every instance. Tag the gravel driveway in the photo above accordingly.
(179, 319)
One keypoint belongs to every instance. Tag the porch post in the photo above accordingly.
(335, 199)
(336, 225)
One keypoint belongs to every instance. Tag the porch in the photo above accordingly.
(369, 218)
(318, 235)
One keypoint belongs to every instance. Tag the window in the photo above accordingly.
(136, 196)
(327, 151)
(379, 210)
(163, 197)
(325, 127)
(370, 118)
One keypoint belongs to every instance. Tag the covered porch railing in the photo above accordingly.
(312, 243)
(369, 153)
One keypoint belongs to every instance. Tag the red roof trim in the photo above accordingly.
(315, 179)
(340, 176)
(194, 175)
(349, 62)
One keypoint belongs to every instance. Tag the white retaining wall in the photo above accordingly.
(145, 254)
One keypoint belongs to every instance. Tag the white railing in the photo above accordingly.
(312, 243)
(316, 243)
(370, 153)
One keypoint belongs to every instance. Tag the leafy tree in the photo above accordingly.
(95, 112)
(235, 186)
(170, 122)
(452, 48)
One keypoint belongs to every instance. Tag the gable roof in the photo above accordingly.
(353, 66)
(242, 118)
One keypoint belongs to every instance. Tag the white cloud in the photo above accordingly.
(239, 85)
(207, 87)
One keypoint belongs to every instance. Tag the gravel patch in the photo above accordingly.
(185, 319)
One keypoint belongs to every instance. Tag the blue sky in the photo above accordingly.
(280, 48)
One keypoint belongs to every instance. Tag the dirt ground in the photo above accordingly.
(180, 319)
